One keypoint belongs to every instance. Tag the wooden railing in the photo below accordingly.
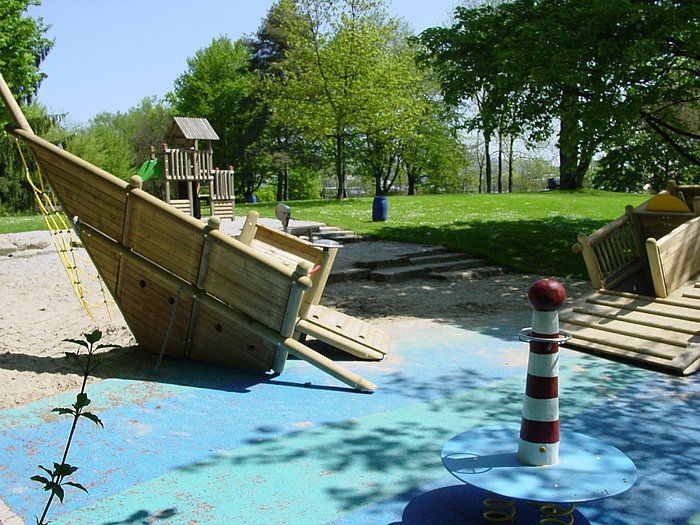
(675, 257)
(222, 184)
(186, 164)
(611, 253)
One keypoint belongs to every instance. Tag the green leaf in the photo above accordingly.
(76, 485)
(50, 473)
(81, 401)
(64, 410)
(40, 479)
(77, 342)
(64, 470)
(93, 336)
(92, 417)
(108, 346)
(58, 491)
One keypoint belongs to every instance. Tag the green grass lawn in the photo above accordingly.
(22, 223)
(529, 232)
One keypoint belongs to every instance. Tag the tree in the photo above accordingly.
(642, 160)
(16, 194)
(282, 143)
(433, 154)
(119, 142)
(217, 86)
(105, 146)
(22, 48)
(341, 78)
(591, 68)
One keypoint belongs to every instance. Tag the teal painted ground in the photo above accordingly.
(202, 444)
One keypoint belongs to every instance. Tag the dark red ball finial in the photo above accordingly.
(546, 295)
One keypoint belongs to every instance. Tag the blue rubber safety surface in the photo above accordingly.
(208, 444)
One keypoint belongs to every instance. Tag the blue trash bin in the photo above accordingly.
(380, 208)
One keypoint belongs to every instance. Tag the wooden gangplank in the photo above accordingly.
(658, 332)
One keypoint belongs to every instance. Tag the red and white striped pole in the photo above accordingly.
(539, 429)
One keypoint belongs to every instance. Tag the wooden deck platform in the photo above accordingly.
(658, 332)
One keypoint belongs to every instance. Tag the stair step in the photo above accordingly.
(402, 260)
(351, 274)
(333, 234)
(340, 237)
(419, 270)
(437, 258)
(470, 274)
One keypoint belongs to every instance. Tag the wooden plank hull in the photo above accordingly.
(658, 332)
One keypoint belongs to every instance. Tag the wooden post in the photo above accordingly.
(249, 228)
(319, 279)
(330, 367)
(591, 261)
(13, 107)
(300, 284)
(657, 271)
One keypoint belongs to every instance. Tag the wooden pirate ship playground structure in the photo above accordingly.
(645, 268)
(189, 290)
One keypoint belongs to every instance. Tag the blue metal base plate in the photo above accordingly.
(588, 469)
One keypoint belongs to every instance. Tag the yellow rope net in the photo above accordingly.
(85, 281)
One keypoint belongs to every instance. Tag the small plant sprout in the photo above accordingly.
(56, 478)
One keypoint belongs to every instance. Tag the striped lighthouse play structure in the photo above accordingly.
(539, 428)
(538, 472)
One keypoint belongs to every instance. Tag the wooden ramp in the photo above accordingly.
(345, 332)
(659, 332)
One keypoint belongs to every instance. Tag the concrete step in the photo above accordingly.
(413, 271)
(438, 257)
(472, 274)
(349, 275)
(404, 259)
(341, 236)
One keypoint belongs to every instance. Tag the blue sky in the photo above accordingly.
(108, 55)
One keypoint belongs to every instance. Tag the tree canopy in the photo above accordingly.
(22, 48)
(347, 75)
(594, 67)
(217, 86)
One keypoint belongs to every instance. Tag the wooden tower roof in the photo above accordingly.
(191, 128)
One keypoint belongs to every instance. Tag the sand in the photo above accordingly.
(38, 309)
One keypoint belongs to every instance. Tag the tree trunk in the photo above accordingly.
(500, 164)
(574, 158)
(487, 159)
(285, 190)
(511, 140)
(411, 176)
(340, 165)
